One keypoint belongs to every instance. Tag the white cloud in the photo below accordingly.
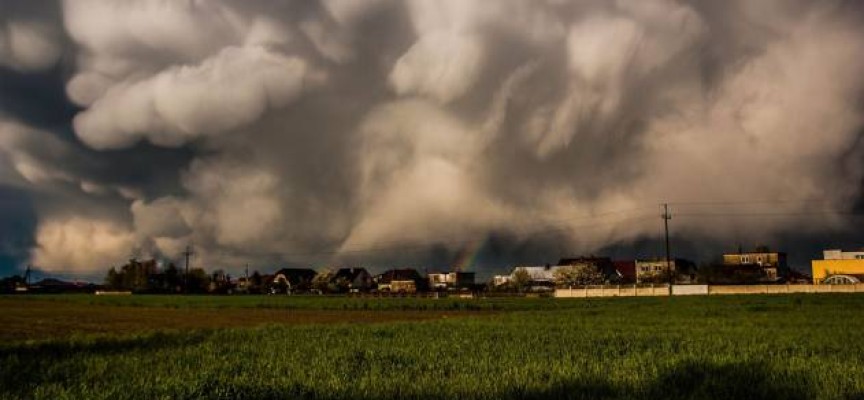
(29, 45)
(81, 245)
(159, 218)
(183, 103)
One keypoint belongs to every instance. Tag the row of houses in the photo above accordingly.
(353, 280)
(759, 266)
(596, 271)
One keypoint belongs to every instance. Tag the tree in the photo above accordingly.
(9, 284)
(581, 274)
(255, 282)
(321, 281)
(763, 249)
(520, 279)
(113, 280)
(197, 281)
(171, 280)
(340, 285)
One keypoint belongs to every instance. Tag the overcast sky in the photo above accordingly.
(425, 133)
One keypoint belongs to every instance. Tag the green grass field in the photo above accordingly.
(723, 347)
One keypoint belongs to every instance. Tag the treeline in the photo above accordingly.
(147, 277)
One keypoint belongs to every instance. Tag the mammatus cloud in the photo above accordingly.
(31, 38)
(315, 129)
(182, 103)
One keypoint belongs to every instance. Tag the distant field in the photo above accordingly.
(58, 317)
(804, 346)
(305, 302)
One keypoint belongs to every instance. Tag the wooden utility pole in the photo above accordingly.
(666, 217)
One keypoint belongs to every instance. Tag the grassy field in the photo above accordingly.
(804, 346)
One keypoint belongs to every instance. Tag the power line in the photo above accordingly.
(746, 202)
(772, 214)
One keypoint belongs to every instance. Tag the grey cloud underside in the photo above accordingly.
(384, 132)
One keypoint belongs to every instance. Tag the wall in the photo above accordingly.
(686, 290)
(683, 290)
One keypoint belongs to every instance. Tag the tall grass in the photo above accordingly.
(718, 347)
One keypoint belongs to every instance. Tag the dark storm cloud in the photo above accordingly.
(432, 131)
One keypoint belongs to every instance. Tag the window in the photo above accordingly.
(859, 256)
(745, 259)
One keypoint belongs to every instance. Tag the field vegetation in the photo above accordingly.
(803, 346)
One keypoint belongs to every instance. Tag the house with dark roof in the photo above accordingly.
(403, 280)
(352, 279)
(290, 280)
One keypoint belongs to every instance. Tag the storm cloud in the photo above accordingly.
(382, 132)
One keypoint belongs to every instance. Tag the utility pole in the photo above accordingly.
(666, 217)
(187, 253)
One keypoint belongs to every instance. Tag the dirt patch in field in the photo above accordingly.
(31, 319)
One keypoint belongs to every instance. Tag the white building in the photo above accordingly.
(843, 255)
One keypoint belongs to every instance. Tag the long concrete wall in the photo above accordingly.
(684, 290)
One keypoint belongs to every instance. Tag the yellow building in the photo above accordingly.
(846, 266)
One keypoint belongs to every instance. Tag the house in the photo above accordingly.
(352, 279)
(657, 271)
(450, 280)
(288, 280)
(761, 265)
(838, 266)
(500, 280)
(404, 280)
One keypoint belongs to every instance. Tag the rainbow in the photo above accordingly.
(466, 259)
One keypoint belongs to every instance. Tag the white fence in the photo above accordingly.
(687, 290)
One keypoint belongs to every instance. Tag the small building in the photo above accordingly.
(657, 271)
(354, 279)
(403, 280)
(838, 266)
(761, 265)
(292, 280)
(500, 280)
(452, 280)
